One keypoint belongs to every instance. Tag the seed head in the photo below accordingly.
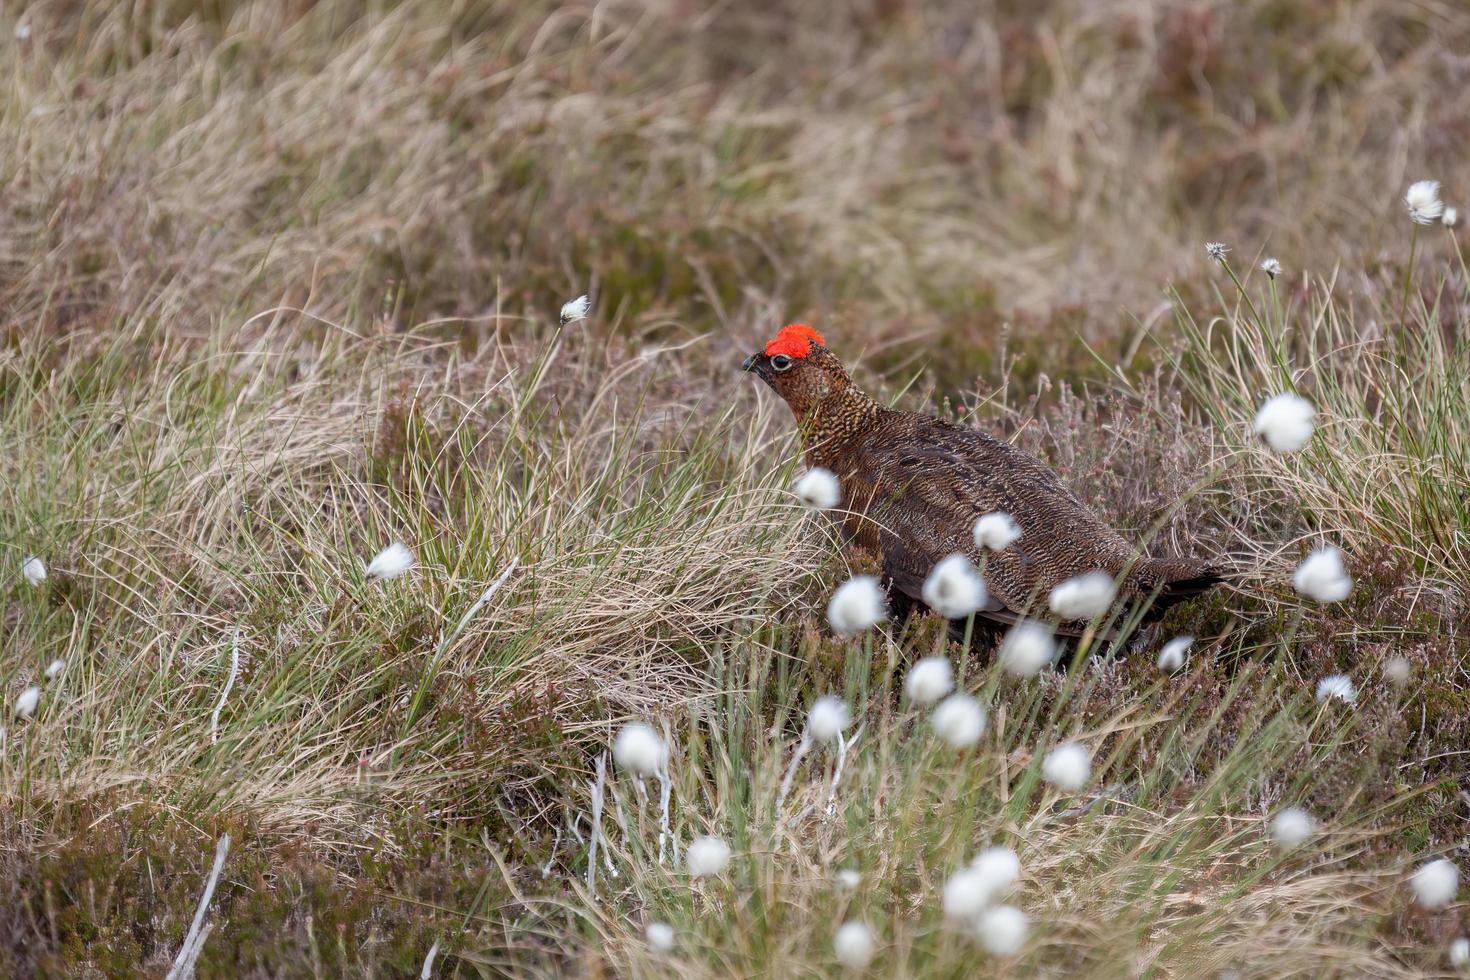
(1271, 267)
(848, 879)
(998, 868)
(639, 749)
(1398, 670)
(1460, 953)
(1285, 422)
(660, 936)
(828, 718)
(929, 680)
(819, 489)
(1067, 767)
(33, 570)
(1216, 251)
(1451, 218)
(959, 721)
(391, 562)
(1422, 200)
(574, 310)
(954, 589)
(996, 531)
(1321, 576)
(1436, 883)
(857, 605)
(966, 894)
(1002, 930)
(1291, 827)
(853, 945)
(54, 669)
(1027, 648)
(1338, 686)
(1172, 656)
(707, 856)
(25, 705)
(1083, 597)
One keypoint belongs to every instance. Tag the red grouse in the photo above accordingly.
(914, 486)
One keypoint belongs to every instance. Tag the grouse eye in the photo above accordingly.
(781, 362)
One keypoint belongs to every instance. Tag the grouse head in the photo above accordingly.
(802, 371)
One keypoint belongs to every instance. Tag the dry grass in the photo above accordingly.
(279, 285)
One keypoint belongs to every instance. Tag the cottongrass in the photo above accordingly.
(707, 856)
(1027, 648)
(391, 562)
(1271, 267)
(1172, 656)
(1292, 827)
(998, 868)
(1460, 953)
(857, 605)
(1216, 251)
(848, 879)
(954, 588)
(33, 570)
(854, 945)
(1435, 883)
(1398, 670)
(929, 680)
(1084, 596)
(639, 749)
(26, 702)
(828, 718)
(1338, 686)
(660, 936)
(1451, 218)
(996, 531)
(1321, 576)
(1423, 203)
(959, 721)
(54, 669)
(1068, 767)
(576, 309)
(819, 489)
(1003, 930)
(1285, 421)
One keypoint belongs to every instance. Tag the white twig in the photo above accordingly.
(842, 746)
(485, 597)
(801, 750)
(596, 830)
(665, 785)
(428, 970)
(187, 970)
(546, 870)
(229, 683)
(183, 962)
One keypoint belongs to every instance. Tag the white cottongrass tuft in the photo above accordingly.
(1285, 422)
(660, 936)
(1460, 953)
(854, 945)
(1398, 670)
(1027, 648)
(1172, 656)
(391, 562)
(25, 704)
(954, 589)
(707, 856)
(1322, 577)
(996, 531)
(998, 868)
(959, 721)
(819, 489)
(1271, 267)
(1216, 251)
(22, 31)
(1451, 218)
(1067, 767)
(54, 669)
(1338, 686)
(929, 680)
(966, 894)
(1084, 596)
(639, 749)
(1002, 930)
(1422, 200)
(33, 570)
(857, 605)
(828, 718)
(1436, 883)
(849, 878)
(576, 309)
(1291, 827)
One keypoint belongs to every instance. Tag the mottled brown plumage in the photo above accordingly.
(913, 487)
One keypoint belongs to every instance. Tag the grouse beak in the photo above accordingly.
(753, 363)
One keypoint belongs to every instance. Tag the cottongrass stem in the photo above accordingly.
(194, 939)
